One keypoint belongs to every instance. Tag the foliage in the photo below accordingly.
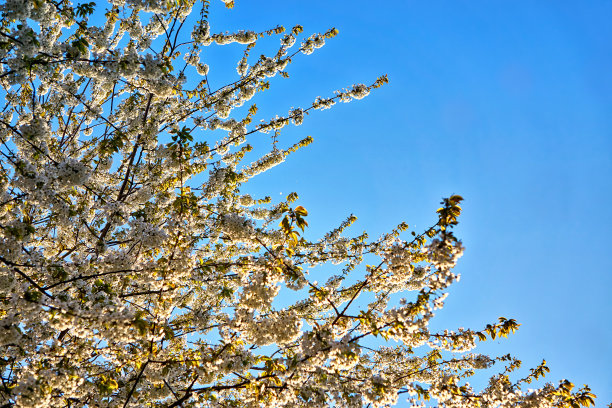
(134, 272)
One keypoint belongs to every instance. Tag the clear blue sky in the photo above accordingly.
(507, 103)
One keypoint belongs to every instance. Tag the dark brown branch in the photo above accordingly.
(129, 396)
(26, 277)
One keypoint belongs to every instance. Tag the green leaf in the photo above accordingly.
(300, 211)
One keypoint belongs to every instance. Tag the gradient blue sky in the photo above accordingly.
(506, 103)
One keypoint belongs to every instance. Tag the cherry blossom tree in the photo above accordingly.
(134, 272)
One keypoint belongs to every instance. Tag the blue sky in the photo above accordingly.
(506, 103)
